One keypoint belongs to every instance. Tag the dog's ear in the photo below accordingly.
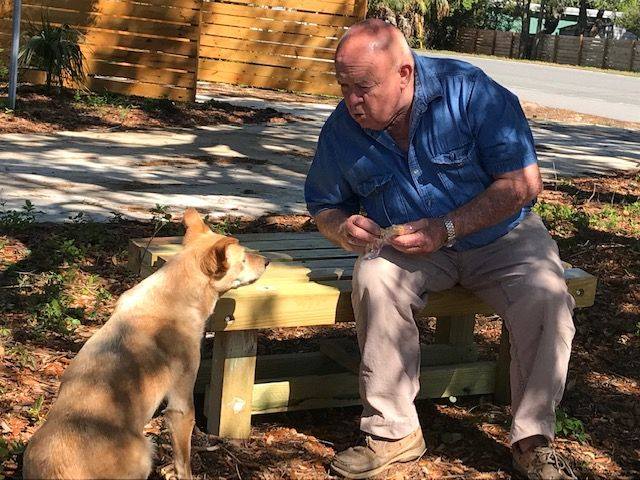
(215, 261)
(194, 225)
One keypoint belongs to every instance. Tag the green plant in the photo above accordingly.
(22, 356)
(18, 220)
(569, 426)
(4, 71)
(34, 410)
(54, 49)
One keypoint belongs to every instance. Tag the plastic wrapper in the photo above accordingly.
(386, 234)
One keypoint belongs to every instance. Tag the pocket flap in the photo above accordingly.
(372, 184)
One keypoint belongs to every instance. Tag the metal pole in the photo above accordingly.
(15, 43)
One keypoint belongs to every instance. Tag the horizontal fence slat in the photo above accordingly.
(141, 89)
(211, 22)
(210, 44)
(279, 37)
(264, 59)
(274, 83)
(140, 74)
(262, 70)
(117, 8)
(139, 42)
(266, 12)
(119, 24)
(314, 6)
(148, 59)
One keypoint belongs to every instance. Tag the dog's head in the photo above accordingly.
(222, 259)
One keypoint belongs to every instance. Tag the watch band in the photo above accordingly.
(451, 232)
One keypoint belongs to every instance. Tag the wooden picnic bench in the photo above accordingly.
(309, 283)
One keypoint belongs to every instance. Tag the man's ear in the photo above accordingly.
(215, 262)
(406, 71)
(194, 225)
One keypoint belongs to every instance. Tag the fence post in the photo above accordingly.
(554, 54)
(511, 45)
(580, 49)
(493, 44)
(196, 69)
(633, 54)
(475, 40)
(605, 52)
(360, 9)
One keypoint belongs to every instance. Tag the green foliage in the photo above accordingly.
(35, 410)
(561, 219)
(4, 71)
(9, 449)
(569, 426)
(55, 50)
(630, 18)
(18, 220)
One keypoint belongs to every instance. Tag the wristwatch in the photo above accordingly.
(451, 232)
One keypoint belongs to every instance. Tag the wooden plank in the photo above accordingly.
(212, 21)
(324, 391)
(250, 70)
(231, 384)
(211, 41)
(455, 329)
(293, 39)
(115, 8)
(502, 393)
(119, 24)
(101, 38)
(141, 89)
(267, 12)
(147, 59)
(140, 73)
(319, 67)
(316, 87)
(314, 6)
(345, 352)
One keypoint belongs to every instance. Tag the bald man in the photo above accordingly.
(437, 146)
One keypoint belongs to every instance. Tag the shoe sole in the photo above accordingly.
(405, 457)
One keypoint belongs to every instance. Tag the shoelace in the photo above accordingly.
(549, 456)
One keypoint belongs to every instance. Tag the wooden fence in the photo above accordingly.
(147, 49)
(287, 44)
(569, 50)
(161, 48)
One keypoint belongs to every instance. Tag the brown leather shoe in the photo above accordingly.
(377, 454)
(542, 463)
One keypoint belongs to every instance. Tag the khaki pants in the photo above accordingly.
(520, 275)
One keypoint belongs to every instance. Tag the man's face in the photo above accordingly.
(371, 87)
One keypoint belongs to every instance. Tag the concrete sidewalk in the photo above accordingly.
(247, 170)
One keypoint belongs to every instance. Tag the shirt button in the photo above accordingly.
(416, 172)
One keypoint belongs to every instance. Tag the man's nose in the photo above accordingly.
(354, 99)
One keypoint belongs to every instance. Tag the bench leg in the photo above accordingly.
(233, 368)
(503, 387)
(455, 330)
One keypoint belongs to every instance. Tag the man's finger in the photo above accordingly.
(367, 224)
(410, 240)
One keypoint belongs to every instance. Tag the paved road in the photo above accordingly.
(606, 94)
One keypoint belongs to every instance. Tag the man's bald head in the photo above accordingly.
(374, 67)
(374, 37)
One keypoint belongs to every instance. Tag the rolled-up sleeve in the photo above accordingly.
(325, 186)
(500, 128)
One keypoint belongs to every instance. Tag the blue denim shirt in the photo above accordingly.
(464, 128)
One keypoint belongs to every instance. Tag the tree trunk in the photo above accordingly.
(524, 51)
(581, 27)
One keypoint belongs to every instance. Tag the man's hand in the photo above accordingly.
(351, 232)
(429, 235)
(357, 232)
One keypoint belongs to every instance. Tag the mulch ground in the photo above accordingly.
(596, 222)
(40, 112)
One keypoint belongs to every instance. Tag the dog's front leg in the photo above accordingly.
(180, 415)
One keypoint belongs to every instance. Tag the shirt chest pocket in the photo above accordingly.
(459, 173)
(381, 199)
